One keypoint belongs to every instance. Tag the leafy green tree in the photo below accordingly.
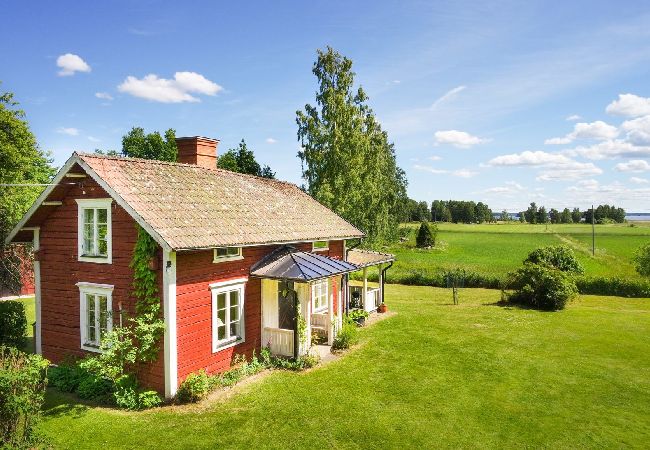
(426, 235)
(642, 260)
(565, 216)
(542, 215)
(576, 215)
(531, 213)
(554, 215)
(137, 144)
(347, 161)
(242, 160)
(505, 217)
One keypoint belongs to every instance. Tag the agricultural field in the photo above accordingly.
(433, 375)
(495, 249)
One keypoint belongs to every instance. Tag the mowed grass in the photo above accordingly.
(434, 375)
(496, 249)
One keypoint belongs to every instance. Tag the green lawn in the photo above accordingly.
(496, 249)
(434, 375)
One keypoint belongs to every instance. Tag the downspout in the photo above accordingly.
(347, 277)
(383, 280)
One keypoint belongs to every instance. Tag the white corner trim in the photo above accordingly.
(169, 310)
(219, 284)
(38, 339)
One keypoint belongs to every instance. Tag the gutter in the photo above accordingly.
(383, 280)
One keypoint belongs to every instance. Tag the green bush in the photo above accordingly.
(642, 260)
(66, 377)
(620, 287)
(23, 379)
(426, 235)
(97, 388)
(128, 395)
(13, 323)
(541, 287)
(559, 257)
(347, 336)
(194, 388)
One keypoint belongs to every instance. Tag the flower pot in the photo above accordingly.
(382, 308)
(360, 321)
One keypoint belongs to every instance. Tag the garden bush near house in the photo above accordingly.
(347, 336)
(426, 236)
(194, 388)
(642, 260)
(23, 379)
(541, 287)
(559, 257)
(13, 323)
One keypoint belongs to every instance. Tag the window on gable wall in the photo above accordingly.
(320, 245)
(227, 254)
(319, 292)
(94, 230)
(95, 314)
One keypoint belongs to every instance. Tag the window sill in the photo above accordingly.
(96, 259)
(320, 310)
(91, 349)
(227, 344)
(227, 258)
(326, 249)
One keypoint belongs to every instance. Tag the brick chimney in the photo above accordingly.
(197, 150)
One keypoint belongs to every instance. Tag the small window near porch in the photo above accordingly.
(319, 292)
(227, 254)
(320, 245)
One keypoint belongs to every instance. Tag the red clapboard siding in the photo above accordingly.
(194, 273)
(60, 271)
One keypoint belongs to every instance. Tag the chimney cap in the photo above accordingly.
(196, 138)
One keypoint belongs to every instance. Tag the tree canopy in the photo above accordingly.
(242, 160)
(137, 144)
(348, 163)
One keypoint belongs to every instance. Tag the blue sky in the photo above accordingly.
(504, 102)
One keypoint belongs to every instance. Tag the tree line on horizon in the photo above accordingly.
(601, 214)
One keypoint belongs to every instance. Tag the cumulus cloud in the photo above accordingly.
(270, 140)
(553, 166)
(637, 180)
(104, 95)
(71, 63)
(573, 171)
(450, 94)
(638, 130)
(573, 118)
(597, 130)
(70, 131)
(629, 105)
(464, 173)
(529, 158)
(610, 149)
(635, 165)
(614, 192)
(176, 90)
(459, 139)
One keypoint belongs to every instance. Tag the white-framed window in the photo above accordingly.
(320, 245)
(227, 254)
(94, 230)
(319, 292)
(95, 314)
(228, 313)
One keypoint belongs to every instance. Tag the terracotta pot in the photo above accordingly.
(382, 308)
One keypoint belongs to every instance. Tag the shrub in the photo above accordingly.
(426, 236)
(347, 336)
(23, 379)
(559, 257)
(13, 323)
(194, 388)
(66, 377)
(97, 388)
(541, 287)
(642, 260)
(613, 286)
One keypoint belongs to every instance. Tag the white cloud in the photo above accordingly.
(573, 118)
(450, 94)
(636, 165)
(69, 131)
(270, 140)
(510, 188)
(71, 63)
(529, 158)
(574, 170)
(461, 173)
(164, 90)
(104, 95)
(459, 139)
(597, 130)
(464, 173)
(629, 105)
(616, 192)
(638, 180)
(435, 158)
(610, 149)
(638, 130)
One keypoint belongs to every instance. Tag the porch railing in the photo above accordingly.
(280, 340)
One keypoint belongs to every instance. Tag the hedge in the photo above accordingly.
(13, 323)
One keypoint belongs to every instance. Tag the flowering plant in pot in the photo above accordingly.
(382, 308)
(359, 316)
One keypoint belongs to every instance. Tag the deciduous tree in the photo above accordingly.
(242, 160)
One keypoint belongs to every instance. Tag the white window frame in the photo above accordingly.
(94, 289)
(218, 259)
(320, 249)
(221, 287)
(94, 203)
(317, 292)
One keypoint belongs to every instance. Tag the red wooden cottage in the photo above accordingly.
(231, 247)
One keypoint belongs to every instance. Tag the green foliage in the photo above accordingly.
(137, 144)
(348, 163)
(452, 211)
(243, 160)
(426, 237)
(560, 257)
(642, 260)
(194, 388)
(541, 287)
(618, 286)
(129, 396)
(23, 379)
(13, 323)
(605, 214)
(357, 315)
(347, 336)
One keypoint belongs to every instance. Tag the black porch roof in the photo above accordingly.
(287, 263)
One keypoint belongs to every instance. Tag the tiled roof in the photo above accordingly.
(288, 264)
(192, 207)
(365, 258)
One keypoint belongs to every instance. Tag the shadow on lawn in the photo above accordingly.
(507, 305)
(58, 404)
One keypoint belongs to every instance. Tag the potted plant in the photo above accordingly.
(382, 308)
(359, 316)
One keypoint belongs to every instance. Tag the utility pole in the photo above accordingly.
(593, 232)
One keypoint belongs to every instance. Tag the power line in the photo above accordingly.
(34, 184)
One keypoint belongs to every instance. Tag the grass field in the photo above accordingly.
(434, 375)
(496, 249)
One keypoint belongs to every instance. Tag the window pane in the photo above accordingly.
(102, 215)
(103, 315)
(221, 317)
(233, 251)
(89, 215)
(102, 247)
(234, 298)
(90, 318)
(221, 301)
(222, 251)
(234, 329)
(321, 244)
(221, 332)
(89, 247)
(234, 314)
